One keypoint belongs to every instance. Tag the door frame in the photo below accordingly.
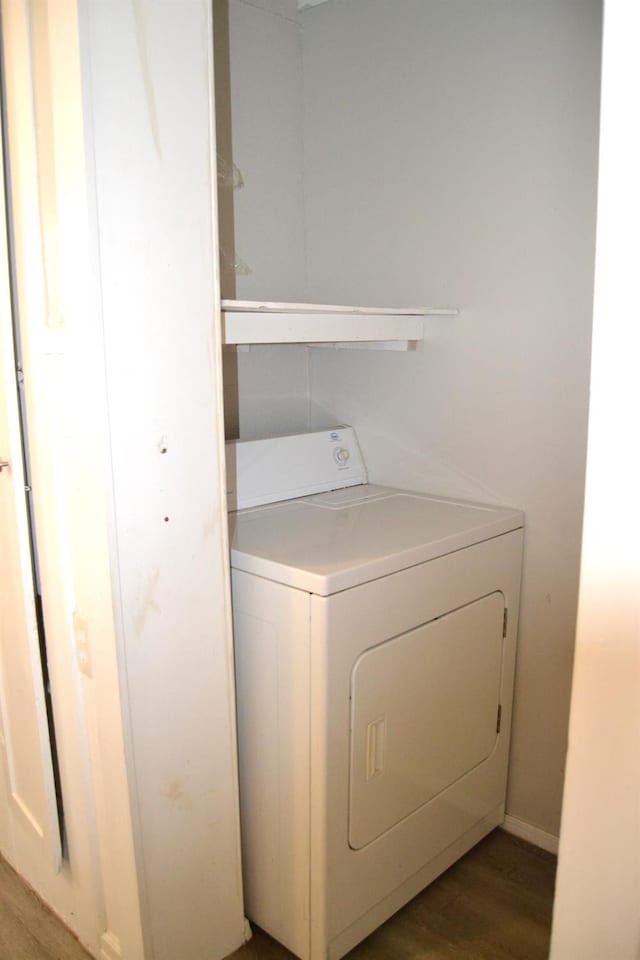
(132, 534)
(94, 890)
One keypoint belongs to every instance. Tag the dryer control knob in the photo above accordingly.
(341, 455)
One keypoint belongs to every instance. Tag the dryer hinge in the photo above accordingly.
(505, 617)
(499, 718)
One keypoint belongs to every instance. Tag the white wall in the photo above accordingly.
(266, 128)
(147, 82)
(450, 159)
(596, 911)
(266, 389)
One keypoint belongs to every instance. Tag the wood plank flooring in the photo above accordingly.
(28, 929)
(494, 904)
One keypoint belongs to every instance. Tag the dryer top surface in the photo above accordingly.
(333, 541)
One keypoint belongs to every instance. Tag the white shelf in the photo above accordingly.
(248, 322)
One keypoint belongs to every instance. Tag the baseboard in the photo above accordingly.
(540, 838)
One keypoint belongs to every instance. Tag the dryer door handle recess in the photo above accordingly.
(375, 747)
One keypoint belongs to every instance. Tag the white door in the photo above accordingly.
(29, 830)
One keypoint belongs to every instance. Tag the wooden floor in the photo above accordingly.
(28, 930)
(494, 904)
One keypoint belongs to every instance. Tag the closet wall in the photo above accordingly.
(450, 159)
(440, 153)
(261, 187)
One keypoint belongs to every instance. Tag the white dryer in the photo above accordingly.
(374, 634)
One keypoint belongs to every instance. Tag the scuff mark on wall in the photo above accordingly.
(211, 527)
(176, 793)
(148, 602)
(141, 37)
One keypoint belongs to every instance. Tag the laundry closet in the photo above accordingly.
(435, 157)
(441, 156)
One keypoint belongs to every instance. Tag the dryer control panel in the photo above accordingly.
(297, 465)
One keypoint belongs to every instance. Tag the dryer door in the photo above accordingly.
(424, 712)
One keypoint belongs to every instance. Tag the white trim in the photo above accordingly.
(526, 831)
